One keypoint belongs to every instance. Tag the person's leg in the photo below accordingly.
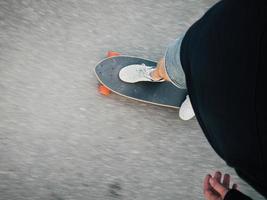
(160, 71)
(168, 68)
(176, 75)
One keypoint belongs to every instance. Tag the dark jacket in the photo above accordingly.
(224, 57)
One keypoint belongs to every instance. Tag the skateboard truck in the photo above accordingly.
(101, 88)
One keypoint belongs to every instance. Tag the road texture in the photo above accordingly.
(59, 138)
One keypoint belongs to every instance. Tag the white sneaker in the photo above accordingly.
(186, 111)
(137, 73)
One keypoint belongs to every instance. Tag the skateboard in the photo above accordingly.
(157, 93)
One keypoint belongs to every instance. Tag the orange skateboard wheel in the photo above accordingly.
(104, 90)
(112, 53)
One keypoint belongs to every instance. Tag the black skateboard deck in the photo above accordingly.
(162, 94)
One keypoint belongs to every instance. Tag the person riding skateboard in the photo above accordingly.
(221, 61)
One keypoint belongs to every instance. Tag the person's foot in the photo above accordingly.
(137, 73)
(186, 111)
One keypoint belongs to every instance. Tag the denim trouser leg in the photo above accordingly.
(173, 64)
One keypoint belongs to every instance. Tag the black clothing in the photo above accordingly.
(234, 194)
(224, 57)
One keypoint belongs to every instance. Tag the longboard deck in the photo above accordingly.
(162, 94)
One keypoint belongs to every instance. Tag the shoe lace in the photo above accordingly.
(144, 71)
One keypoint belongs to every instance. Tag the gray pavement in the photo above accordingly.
(59, 138)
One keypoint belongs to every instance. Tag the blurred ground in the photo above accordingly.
(59, 138)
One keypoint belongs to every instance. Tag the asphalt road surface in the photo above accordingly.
(60, 139)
